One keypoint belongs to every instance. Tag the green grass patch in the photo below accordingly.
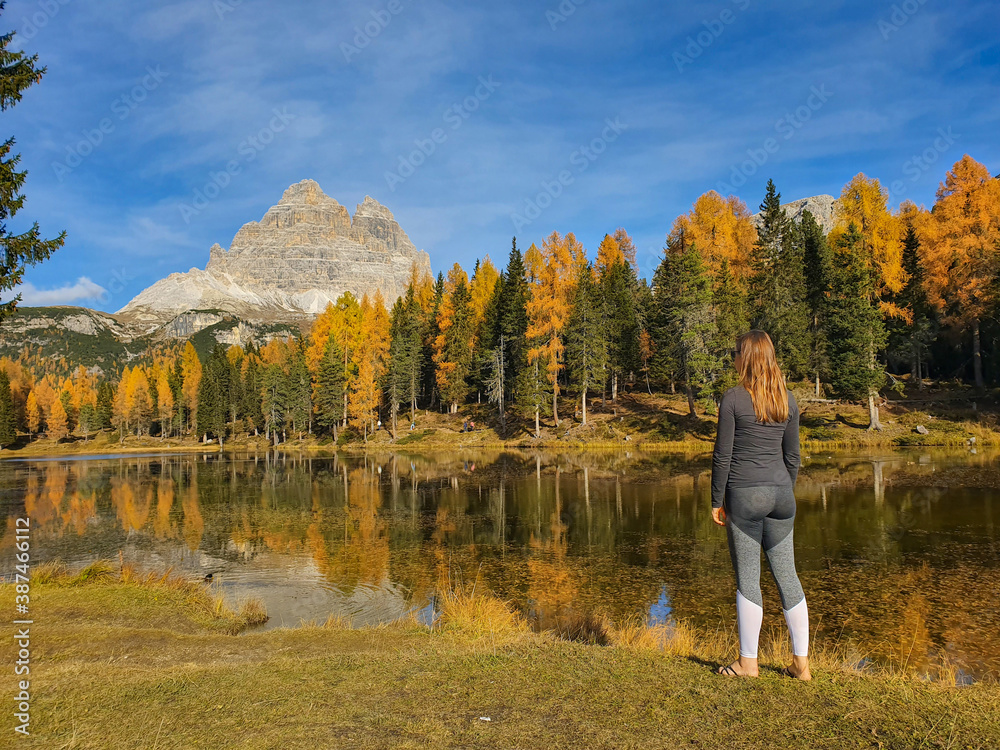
(130, 661)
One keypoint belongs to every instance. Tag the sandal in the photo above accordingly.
(728, 671)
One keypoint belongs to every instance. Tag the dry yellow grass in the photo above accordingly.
(210, 608)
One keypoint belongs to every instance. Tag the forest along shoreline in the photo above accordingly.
(951, 418)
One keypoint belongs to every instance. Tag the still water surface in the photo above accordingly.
(898, 553)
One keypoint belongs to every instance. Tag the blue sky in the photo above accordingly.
(625, 112)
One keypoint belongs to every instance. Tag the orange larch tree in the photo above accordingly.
(370, 362)
(960, 249)
(722, 229)
(191, 373)
(549, 306)
(863, 205)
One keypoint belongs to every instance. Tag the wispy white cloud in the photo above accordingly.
(84, 290)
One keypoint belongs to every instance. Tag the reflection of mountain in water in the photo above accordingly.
(368, 539)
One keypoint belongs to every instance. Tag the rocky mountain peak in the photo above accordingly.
(372, 208)
(306, 192)
(303, 254)
(822, 207)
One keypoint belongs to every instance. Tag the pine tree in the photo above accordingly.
(818, 271)
(431, 330)
(856, 329)
(534, 393)
(619, 290)
(8, 421)
(729, 301)
(17, 251)
(213, 395)
(274, 400)
(863, 205)
(587, 337)
(329, 398)
(105, 399)
(88, 420)
(406, 353)
(915, 333)
(453, 346)
(684, 323)
(512, 318)
(299, 388)
(777, 284)
(250, 408)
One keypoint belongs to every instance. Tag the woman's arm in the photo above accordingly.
(790, 440)
(723, 455)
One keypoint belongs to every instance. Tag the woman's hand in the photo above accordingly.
(719, 516)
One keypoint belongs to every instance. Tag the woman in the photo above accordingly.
(754, 467)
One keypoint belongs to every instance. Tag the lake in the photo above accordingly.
(897, 552)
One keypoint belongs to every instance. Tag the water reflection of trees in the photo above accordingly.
(556, 533)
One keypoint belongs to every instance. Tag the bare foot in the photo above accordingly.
(742, 667)
(799, 669)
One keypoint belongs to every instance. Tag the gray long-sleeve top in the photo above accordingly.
(749, 453)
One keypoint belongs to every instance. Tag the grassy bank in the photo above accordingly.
(126, 661)
(640, 421)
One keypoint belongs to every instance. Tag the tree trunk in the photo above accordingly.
(977, 355)
(614, 387)
(873, 421)
(537, 429)
(555, 406)
(817, 384)
(583, 401)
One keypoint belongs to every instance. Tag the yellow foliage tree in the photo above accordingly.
(721, 228)
(346, 331)
(46, 395)
(164, 402)
(56, 424)
(33, 413)
(370, 360)
(138, 401)
(191, 374)
(319, 334)
(481, 288)
(549, 306)
(864, 203)
(609, 254)
(960, 248)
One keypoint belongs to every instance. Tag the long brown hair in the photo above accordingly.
(761, 376)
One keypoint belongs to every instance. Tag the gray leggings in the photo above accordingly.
(763, 517)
